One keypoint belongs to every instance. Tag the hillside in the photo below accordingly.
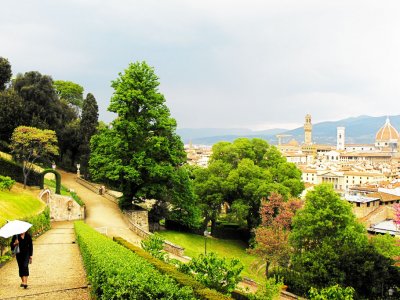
(361, 129)
(19, 203)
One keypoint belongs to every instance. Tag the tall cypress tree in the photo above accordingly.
(89, 123)
(5, 73)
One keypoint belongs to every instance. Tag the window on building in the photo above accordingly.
(358, 204)
(368, 204)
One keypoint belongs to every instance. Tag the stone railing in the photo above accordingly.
(97, 189)
(93, 187)
(168, 246)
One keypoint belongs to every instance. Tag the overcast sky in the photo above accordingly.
(251, 64)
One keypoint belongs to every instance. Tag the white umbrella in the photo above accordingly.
(13, 228)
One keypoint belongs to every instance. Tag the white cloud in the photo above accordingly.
(221, 63)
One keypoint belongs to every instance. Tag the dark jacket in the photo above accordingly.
(25, 244)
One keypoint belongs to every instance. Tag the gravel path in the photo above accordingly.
(102, 214)
(56, 271)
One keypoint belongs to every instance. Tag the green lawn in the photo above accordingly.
(194, 245)
(19, 203)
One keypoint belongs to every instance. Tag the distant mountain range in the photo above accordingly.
(360, 129)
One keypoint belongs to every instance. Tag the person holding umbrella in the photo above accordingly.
(24, 257)
(21, 245)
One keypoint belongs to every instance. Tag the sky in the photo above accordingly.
(222, 64)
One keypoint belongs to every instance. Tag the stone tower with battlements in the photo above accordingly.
(308, 130)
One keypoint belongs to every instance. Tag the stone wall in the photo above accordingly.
(93, 187)
(62, 208)
(168, 246)
(381, 214)
(139, 218)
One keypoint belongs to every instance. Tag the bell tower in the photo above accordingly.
(308, 130)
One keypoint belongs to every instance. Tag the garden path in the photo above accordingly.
(101, 213)
(56, 271)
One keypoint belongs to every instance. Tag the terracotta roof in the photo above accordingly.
(385, 197)
(387, 132)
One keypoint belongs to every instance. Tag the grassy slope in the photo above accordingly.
(194, 245)
(19, 203)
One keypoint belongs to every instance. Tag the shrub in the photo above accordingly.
(14, 170)
(40, 223)
(214, 272)
(335, 292)
(271, 290)
(117, 273)
(184, 279)
(154, 244)
(6, 183)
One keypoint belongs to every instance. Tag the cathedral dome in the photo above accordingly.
(387, 132)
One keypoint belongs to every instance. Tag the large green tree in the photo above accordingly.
(5, 73)
(242, 173)
(331, 247)
(70, 92)
(29, 144)
(11, 114)
(141, 151)
(41, 104)
(321, 232)
(88, 127)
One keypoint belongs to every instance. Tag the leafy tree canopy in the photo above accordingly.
(28, 144)
(242, 173)
(141, 152)
(5, 73)
(70, 92)
(331, 247)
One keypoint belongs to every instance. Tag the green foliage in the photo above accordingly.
(217, 273)
(270, 291)
(6, 183)
(183, 279)
(194, 246)
(335, 292)
(242, 173)
(14, 170)
(41, 106)
(29, 144)
(69, 91)
(154, 244)
(141, 152)
(5, 72)
(88, 127)
(40, 223)
(43, 109)
(11, 113)
(117, 273)
(332, 248)
(386, 245)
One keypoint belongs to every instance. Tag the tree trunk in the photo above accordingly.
(205, 223)
(213, 225)
(268, 263)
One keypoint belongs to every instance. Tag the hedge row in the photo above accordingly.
(40, 224)
(117, 273)
(14, 170)
(186, 280)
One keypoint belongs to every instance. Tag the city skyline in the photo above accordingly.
(253, 64)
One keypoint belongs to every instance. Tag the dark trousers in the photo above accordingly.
(23, 264)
